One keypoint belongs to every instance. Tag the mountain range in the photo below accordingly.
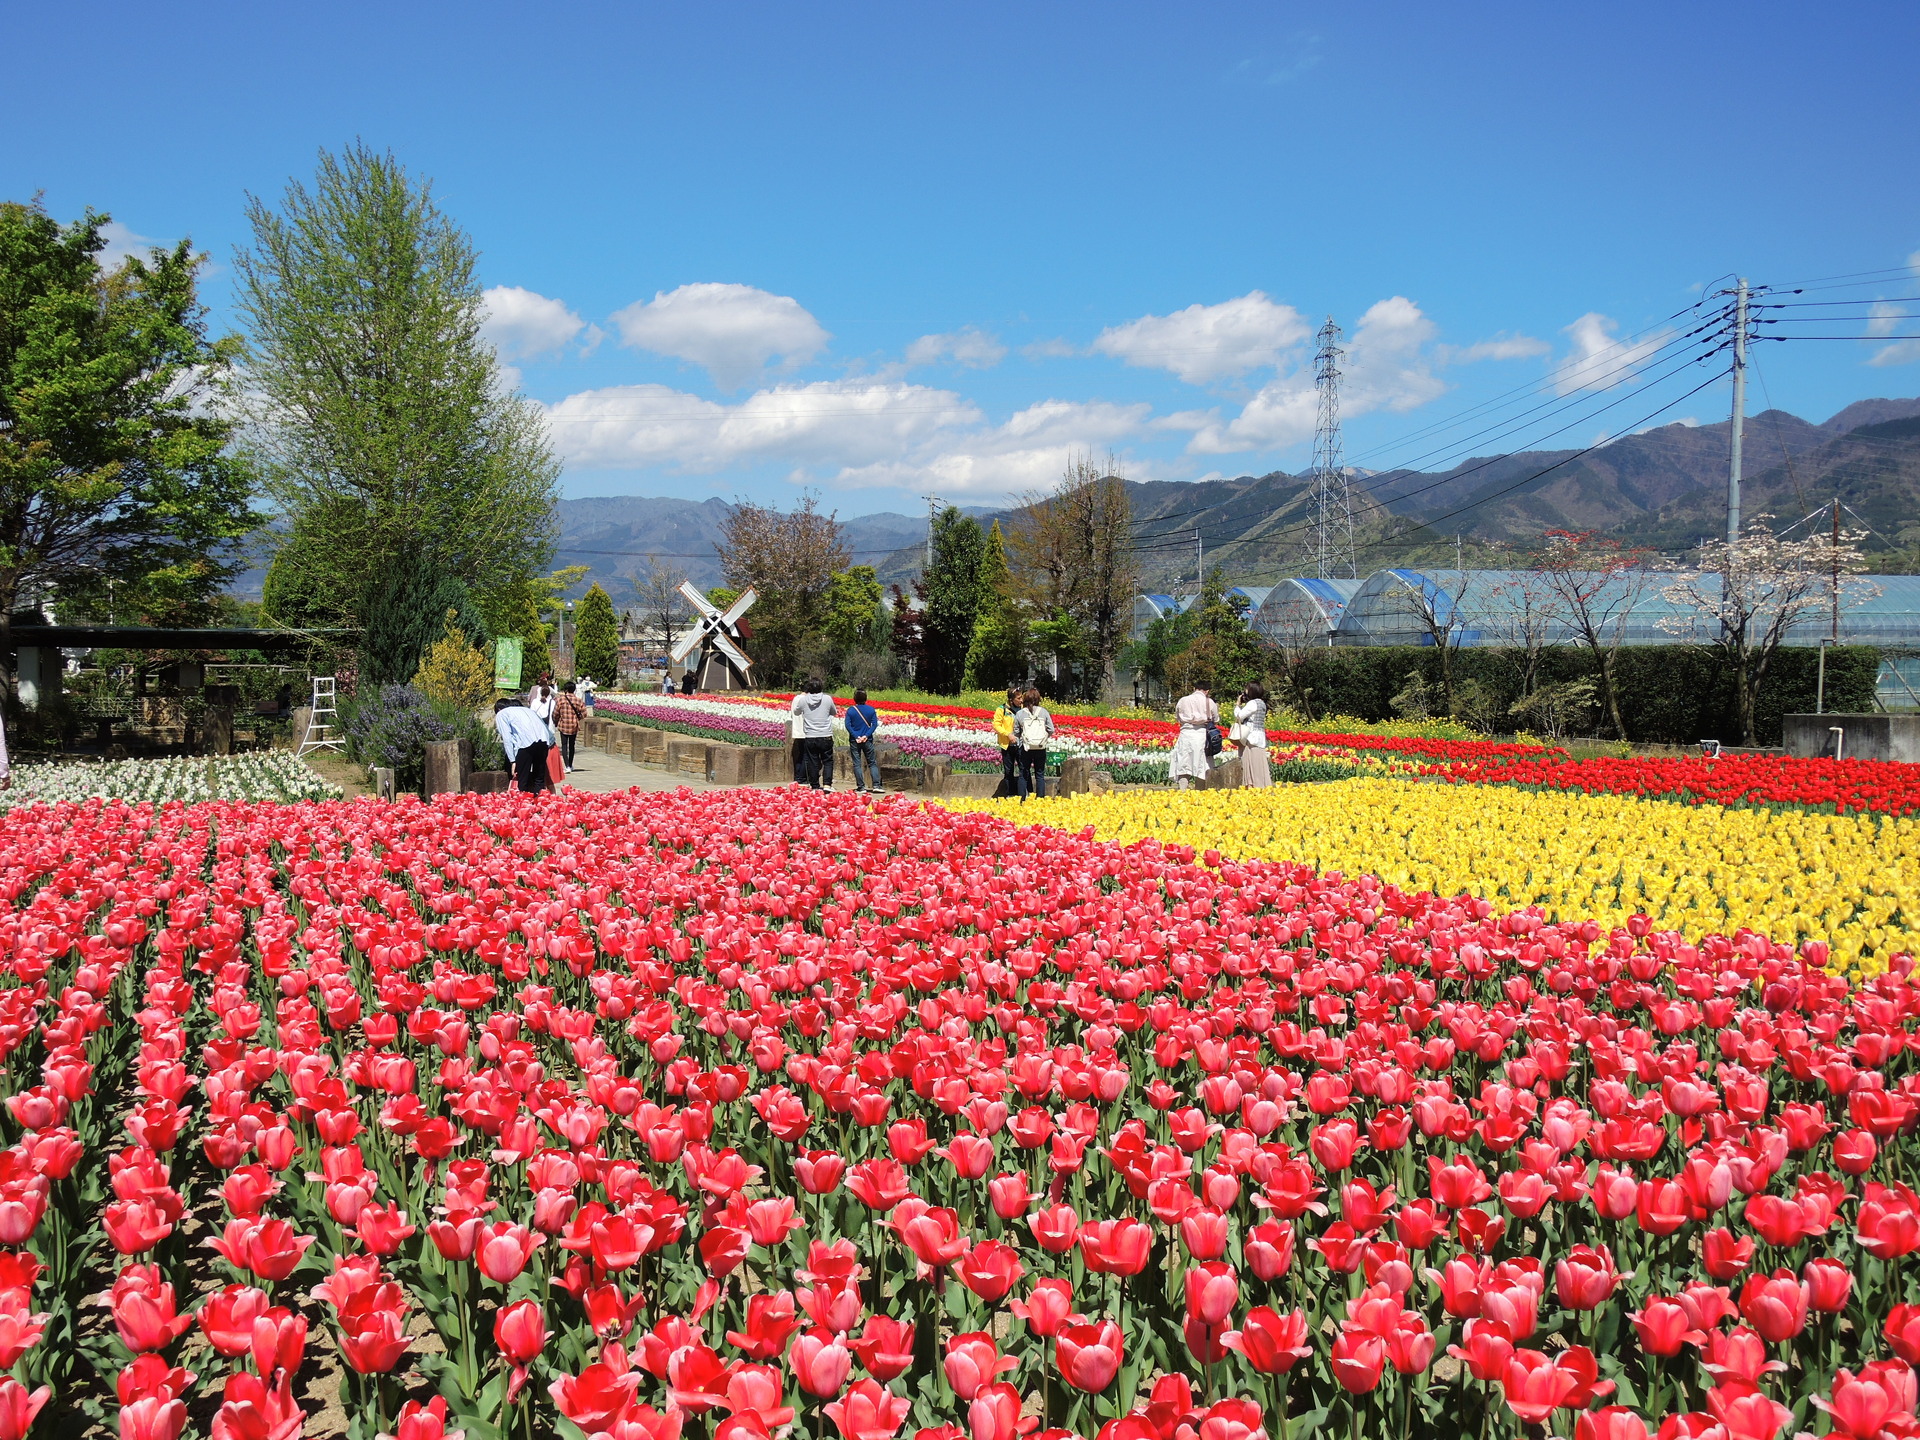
(1664, 488)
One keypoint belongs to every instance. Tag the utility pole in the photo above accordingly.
(1834, 555)
(1456, 551)
(933, 509)
(1739, 409)
(1199, 563)
(1331, 515)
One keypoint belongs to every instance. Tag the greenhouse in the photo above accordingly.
(1149, 608)
(1303, 611)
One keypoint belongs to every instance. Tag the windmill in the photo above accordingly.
(722, 665)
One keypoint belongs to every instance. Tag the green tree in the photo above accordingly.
(596, 645)
(406, 614)
(997, 655)
(953, 593)
(851, 606)
(454, 670)
(1166, 637)
(1225, 654)
(383, 426)
(117, 485)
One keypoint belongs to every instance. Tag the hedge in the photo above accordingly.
(1669, 694)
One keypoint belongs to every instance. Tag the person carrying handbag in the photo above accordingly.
(1199, 721)
(1033, 729)
(568, 712)
(1250, 734)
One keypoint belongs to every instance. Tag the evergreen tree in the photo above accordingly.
(456, 671)
(406, 614)
(997, 655)
(118, 486)
(596, 645)
(953, 596)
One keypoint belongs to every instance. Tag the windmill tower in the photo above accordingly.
(1330, 516)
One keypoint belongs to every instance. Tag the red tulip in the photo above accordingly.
(1723, 1256)
(771, 1321)
(993, 1413)
(1055, 1228)
(868, 1411)
(1272, 1343)
(279, 1341)
(1212, 1291)
(373, 1329)
(973, 1362)
(502, 1250)
(1775, 1305)
(1010, 1195)
(820, 1363)
(18, 1406)
(885, 1347)
(934, 1237)
(1586, 1278)
(1088, 1355)
(1861, 1405)
(1116, 1247)
(152, 1418)
(1615, 1422)
(144, 1309)
(990, 1269)
(1359, 1359)
(1829, 1284)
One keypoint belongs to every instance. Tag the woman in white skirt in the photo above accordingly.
(1195, 712)
(1250, 734)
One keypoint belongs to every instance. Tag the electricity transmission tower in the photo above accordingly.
(1331, 518)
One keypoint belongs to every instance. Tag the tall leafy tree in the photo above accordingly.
(952, 586)
(790, 559)
(1073, 556)
(854, 615)
(383, 425)
(596, 645)
(997, 654)
(116, 477)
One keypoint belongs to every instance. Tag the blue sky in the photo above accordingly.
(885, 250)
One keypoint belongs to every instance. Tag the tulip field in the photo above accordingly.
(763, 1113)
(1849, 882)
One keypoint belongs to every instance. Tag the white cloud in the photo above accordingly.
(1499, 347)
(1387, 367)
(122, 242)
(1029, 452)
(1599, 361)
(969, 347)
(733, 331)
(1902, 352)
(1886, 318)
(834, 422)
(523, 325)
(1203, 343)
(1055, 349)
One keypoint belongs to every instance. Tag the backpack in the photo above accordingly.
(1034, 729)
(1214, 741)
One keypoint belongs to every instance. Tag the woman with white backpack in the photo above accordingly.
(1032, 730)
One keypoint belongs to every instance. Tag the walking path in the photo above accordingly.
(598, 772)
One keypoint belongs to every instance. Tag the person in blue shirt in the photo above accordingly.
(523, 735)
(862, 723)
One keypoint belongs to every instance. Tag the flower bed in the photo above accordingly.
(271, 775)
(1851, 882)
(1838, 786)
(658, 1115)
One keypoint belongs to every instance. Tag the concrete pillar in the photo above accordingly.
(449, 763)
(1076, 775)
(302, 718)
(934, 776)
(383, 782)
(217, 730)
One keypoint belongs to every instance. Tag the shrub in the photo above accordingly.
(455, 671)
(392, 727)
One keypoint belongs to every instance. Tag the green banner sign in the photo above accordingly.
(506, 663)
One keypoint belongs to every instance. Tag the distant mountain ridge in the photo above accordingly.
(1664, 487)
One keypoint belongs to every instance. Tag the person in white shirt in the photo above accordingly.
(586, 694)
(1250, 734)
(1196, 713)
(666, 681)
(523, 735)
(6, 767)
(1032, 729)
(813, 710)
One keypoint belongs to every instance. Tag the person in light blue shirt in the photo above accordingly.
(523, 735)
(863, 721)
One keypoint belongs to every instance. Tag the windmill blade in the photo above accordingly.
(732, 651)
(700, 602)
(740, 606)
(685, 645)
